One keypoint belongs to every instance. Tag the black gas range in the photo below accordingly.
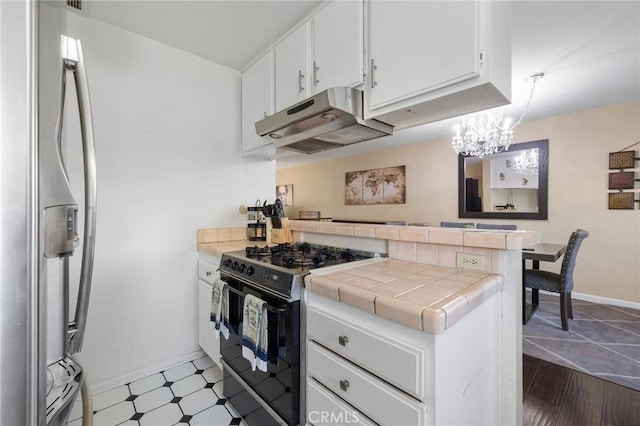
(274, 274)
(281, 268)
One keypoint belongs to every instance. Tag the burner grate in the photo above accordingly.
(305, 255)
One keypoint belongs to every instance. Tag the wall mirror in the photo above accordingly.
(509, 185)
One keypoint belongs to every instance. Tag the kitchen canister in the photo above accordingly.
(256, 231)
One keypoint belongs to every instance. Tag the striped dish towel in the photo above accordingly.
(220, 308)
(254, 332)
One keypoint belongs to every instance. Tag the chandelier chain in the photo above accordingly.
(534, 78)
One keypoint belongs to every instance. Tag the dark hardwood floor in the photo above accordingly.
(556, 395)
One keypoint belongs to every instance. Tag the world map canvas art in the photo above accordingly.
(376, 186)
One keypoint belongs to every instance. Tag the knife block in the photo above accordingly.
(279, 235)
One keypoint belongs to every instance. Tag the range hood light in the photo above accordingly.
(327, 116)
(329, 119)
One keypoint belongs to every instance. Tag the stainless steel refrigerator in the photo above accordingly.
(39, 377)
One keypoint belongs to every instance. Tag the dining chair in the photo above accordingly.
(559, 283)
(496, 226)
(457, 224)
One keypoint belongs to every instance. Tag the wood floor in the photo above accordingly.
(556, 395)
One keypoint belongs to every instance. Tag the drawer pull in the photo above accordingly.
(300, 78)
(343, 340)
(208, 273)
(344, 385)
(374, 83)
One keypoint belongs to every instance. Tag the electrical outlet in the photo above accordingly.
(470, 261)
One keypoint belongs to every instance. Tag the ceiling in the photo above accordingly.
(588, 50)
(229, 32)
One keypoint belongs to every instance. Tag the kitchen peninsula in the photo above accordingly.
(415, 323)
(413, 337)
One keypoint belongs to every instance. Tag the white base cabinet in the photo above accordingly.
(207, 273)
(362, 368)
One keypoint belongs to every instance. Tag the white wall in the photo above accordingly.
(579, 146)
(167, 128)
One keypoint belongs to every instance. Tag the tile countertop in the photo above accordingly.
(493, 239)
(427, 297)
(215, 241)
(216, 249)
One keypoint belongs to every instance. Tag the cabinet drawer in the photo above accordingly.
(325, 408)
(207, 271)
(385, 356)
(374, 398)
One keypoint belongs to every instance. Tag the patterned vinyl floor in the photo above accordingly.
(603, 340)
(188, 394)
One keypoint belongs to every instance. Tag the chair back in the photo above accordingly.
(496, 226)
(569, 261)
(457, 224)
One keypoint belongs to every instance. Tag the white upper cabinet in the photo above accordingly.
(338, 34)
(431, 60)
(292, 68)
(327, 51)
(257, 103)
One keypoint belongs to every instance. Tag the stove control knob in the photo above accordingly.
(227, 263)
(250, 271)
(235, 266)
(241, 268)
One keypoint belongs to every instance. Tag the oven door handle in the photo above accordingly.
(269, 307)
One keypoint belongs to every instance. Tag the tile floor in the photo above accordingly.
(603, 340)
(188, 394)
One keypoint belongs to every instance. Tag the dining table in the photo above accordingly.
(542, 252)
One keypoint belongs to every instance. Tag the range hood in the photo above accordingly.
(327, 120)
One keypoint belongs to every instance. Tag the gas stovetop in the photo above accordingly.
(281, 268)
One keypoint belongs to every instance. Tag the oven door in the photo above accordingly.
(257, 395)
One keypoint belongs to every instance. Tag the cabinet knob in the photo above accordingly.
(344, 385)
(208, 273)
(343, 340)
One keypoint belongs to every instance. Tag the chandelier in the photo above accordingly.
(527, 162)
(486, 134)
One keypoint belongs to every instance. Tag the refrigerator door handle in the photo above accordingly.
(74, 61)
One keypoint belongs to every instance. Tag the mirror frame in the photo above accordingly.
(543, 186)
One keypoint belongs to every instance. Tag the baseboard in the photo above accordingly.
(144, 372)
(605, 300)
(599, 299)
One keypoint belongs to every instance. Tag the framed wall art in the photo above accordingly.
(623, 181)
(621, 201)
(376, 186)
(285, 194)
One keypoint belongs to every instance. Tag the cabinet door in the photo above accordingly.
(257, 101)
(338, 32)
(208, 341)
(292, 76)
(420, 46)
